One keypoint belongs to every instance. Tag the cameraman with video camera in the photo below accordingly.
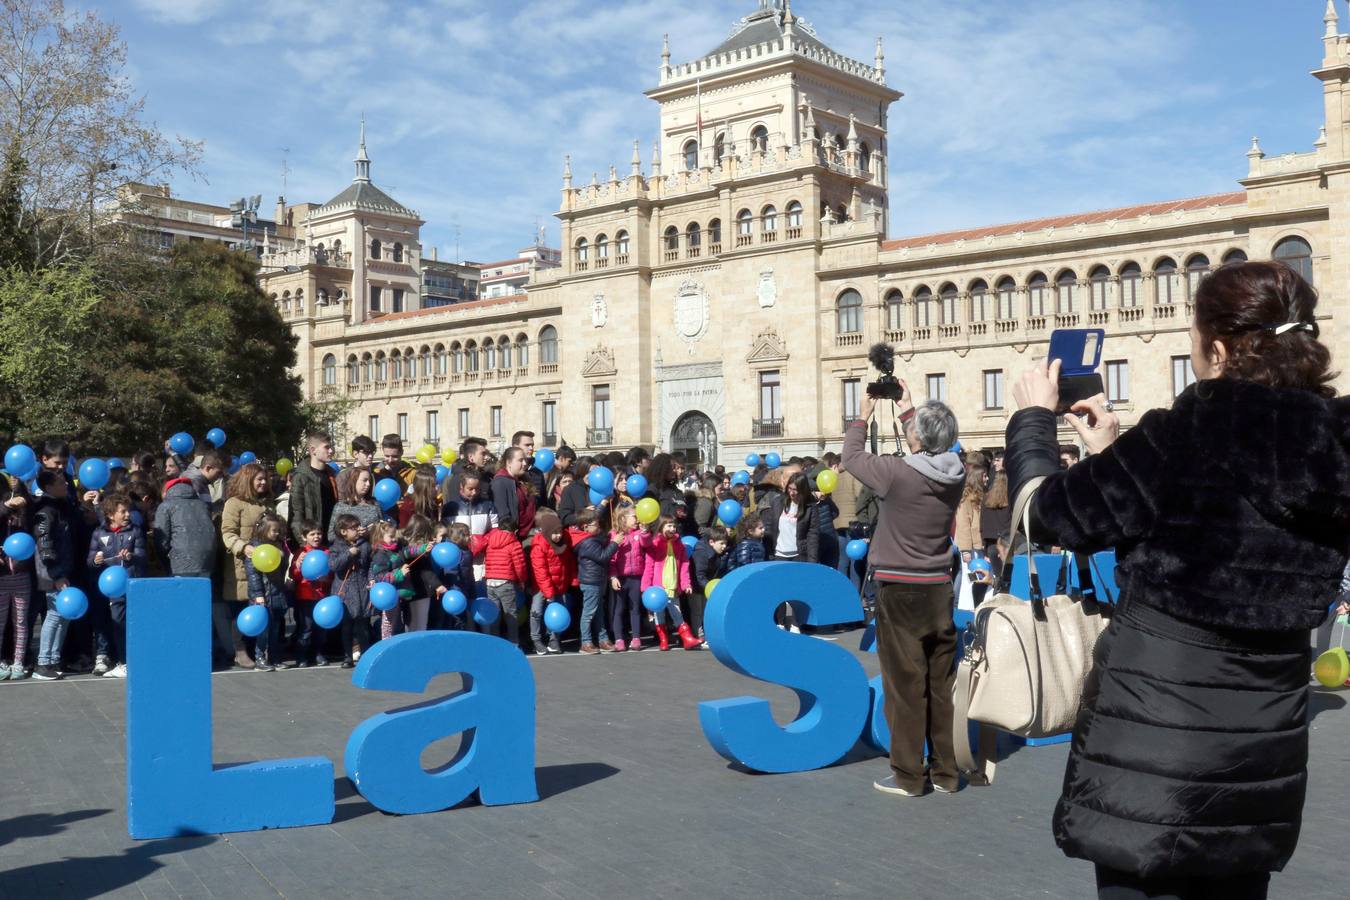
(910, 555)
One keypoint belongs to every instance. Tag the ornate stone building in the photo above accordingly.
(724, 298)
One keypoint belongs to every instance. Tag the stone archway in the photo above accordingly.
(695, 436)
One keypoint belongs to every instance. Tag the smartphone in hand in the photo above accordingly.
(1079, 351)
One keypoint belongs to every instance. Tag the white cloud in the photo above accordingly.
(182, 12)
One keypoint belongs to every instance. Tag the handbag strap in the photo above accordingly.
(980, 764)
(1021, 524)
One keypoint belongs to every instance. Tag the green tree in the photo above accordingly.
(16, 242)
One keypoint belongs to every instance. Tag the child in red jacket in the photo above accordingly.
(504, 569)
(308, 593)
(554, 569)
(666, 565)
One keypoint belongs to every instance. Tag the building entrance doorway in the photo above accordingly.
(695, 436)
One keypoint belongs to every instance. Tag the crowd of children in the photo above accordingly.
(527, 538)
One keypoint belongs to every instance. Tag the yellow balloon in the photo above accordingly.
(284, 466)
(710, 587)
(1332, 668)
(449, 456)
(426, 454)
(648, 510)
(827, 481)
(266, 558)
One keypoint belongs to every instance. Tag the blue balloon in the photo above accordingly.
(314, 565)
(383, 596)
(217, 437)
(454, 602)
(71, 465)
(116, 463)
(113, 582)
(773, 460)
(442, 472)
(956, 448)
(557, 619)
(234, 465)
(446, 555)
(637, 486)
(752, 460)
(597, 498)
(485, 612)
(655, 599)
(334, 466)
(20, 546)
(544, 459)
(601, 480)
(690, 542)
(182, 443)
(980, 564)
(71, 603)
(730, 512)
(856, 549)
(94, 474)
(328, 612)
(387, 492)
(252, 620)
(248, 456)
(21, 461)
(740, 478)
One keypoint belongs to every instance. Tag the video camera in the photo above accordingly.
(886, 387)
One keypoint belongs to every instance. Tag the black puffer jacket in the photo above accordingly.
(1230, 515)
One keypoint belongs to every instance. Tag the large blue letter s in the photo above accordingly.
(495, 710)
(829, 682)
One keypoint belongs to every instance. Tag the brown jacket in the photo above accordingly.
(237, 521)
(968, 526)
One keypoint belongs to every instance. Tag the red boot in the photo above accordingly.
(661, 637)
(687, 638)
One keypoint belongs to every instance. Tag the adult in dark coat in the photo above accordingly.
(1229, 514)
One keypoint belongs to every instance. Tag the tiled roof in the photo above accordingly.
(1236, 198)
(454, 307)
(367, 196)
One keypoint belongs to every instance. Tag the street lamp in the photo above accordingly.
(243, 212)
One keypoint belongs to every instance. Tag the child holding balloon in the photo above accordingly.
(666, 566)
(594, 554)
(309, 591)
(552, 567)
(625, 577)
(349, 559)
(749, 547)
(116, 543)
(266, 568)
(16, 571)
(422, 577)
(707, 566)
(54, 531)
(389, 563)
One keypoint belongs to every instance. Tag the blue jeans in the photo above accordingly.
(593, 610)
(53, 634)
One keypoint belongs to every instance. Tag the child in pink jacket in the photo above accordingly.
(666, 565)
(625, 576)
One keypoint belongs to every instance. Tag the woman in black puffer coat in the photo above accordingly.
(1229, 514)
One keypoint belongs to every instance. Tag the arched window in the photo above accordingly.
(1165, 279)
(337, 246)
(849, 312)
(285, 302)
(375, 249)
(353, 370)
(981, 304)
(794, 215)
(621, 243)
(504, 352)
(1296, 253)
(602, 247)
(948, 294)
(769, 219)
(864, 157)
(1099, 279)
(424, 357)
(715, 232)
(440, 360)
(1234, 256)
(396, 366)
(1036, 294)
(672, 242)
(329, 370)
(398, 252)
(1197, 267)
(1066, 293)
(895, 316)
(457, 358)
(409, 365)
(759, 139)
(583, 251)
(743, 220)
(923, 307)
(522, 351)
(548, 345)
(1007, 299)
(719, 147)
(693, 237)
(381, 368)
(368, 365)
(690, 156)
(489, 355)
(471, 356)
(1131, 279)
(300, 300)
(323, 296)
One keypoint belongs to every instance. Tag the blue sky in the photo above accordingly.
(1012, 109)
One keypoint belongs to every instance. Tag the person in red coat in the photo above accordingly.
(553, 566)
(307, 593)
(504, 569)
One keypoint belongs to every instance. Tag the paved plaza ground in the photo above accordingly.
(634, 803)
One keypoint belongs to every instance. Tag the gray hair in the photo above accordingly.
(934, 424)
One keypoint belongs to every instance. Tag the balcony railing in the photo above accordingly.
(1005, 326)
(848, 340)
(714, 248)
(766, 428)
(1099, 317)
(1131, 313)
(793, 233)
(949, 331)
(894, 335)
(1066, 320)
(602, 263)
(549, 439)
(621, 259)
(769, 237)
(744, 240)
(582, 265)
(1167, 311)
(548, 368)
(599, 437)
(672, 255)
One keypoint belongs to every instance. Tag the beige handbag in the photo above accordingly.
(1025, 662)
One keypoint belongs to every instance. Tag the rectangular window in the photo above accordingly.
(979, 305)
(600, 405)
(1118, 381)
(374, 432)
(1183, 376)
(463, 423)
(166, 240)
(993, 388)
(1006, 303)
(433, 426)
(398, 300)
(496, 421)
(1036, 300)
(403, 427)
(770, 396)
(1101, 294)
(550, 417)
(374, 299)
(852, 398)
(937, 387)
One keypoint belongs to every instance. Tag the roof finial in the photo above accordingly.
(665, 51)
(1331, 19)
(1321, 138)
(637, 159)
(362, 161)
(567, 171)
(852, 132)
(881, 60)
(656, 159)
(1256, 148)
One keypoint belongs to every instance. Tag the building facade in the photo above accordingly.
(723, 298)
(510, 276)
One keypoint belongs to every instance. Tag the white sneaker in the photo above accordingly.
(117, 671)
(102, 665)
(887, 785)
(794, 629)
